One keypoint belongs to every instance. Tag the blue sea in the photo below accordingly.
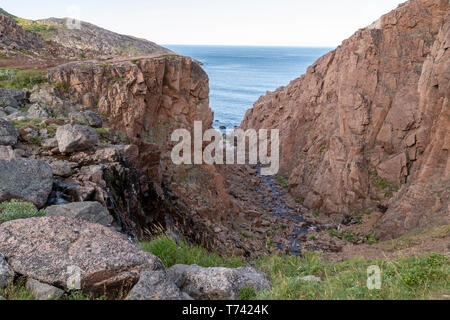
(240, 75)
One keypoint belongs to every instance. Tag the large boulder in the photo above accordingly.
(8, 135)
(156, 286)
(7, 152)
(90, 211)
(6, 273)
(74, 254)
(217, 283)
(75, 138)
(25, 179)
(36, 111)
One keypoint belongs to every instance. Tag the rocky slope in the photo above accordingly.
(48, 39)
(368, 125)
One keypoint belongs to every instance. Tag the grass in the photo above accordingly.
(283, 181)
(21, 79)
(16, 209)
(424, 277)
(172, 253)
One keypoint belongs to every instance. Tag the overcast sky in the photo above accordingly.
(219, 22)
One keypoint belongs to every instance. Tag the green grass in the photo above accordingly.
(21, 79)
(16, 209)
(7, 14)
(425, 277)
(16, 292)
(172, 253)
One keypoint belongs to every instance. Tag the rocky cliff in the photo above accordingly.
(368, 125)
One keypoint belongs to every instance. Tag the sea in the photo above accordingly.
(239, 75)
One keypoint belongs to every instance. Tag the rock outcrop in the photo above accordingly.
(368, 124)
(8, 135)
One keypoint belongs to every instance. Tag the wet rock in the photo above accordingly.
(217, 283)
(87, 117)
(75, 138)
(6, 273)
(74, 254)
(42, 291)
(156, 285)
(26, 179)
(8, 135)
(90, 211)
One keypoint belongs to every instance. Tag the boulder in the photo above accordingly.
(8, 135)
(156, 285)
(217, 283)
(90, 211)
(75, 138)
(87, 117)
(25, 179)
(74, 254)
(6, 273)
(42, 291)
(37, 112)
(61, 168)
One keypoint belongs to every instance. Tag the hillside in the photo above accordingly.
(51, 39)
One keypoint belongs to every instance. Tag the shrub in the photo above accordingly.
(16, 209)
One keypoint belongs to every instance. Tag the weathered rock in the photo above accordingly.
(87, 117)
(7, 152)
(8, 135)
(216, 283)
(61, 168)
(43, 291)
(49, 143)
(156, 285)
(90, 211)
(37, 112)
(1, 298)
(26, 179)
(6, 273)
(75, 138)
(74, 254)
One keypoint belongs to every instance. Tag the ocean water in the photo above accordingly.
(238, 76)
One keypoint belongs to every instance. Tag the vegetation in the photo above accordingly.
(425, 277)
(283, 181)
(7, 14)
(16, 209)
(172, 253)
(37, 27)
(21, 79)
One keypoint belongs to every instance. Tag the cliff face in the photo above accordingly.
(367, 125)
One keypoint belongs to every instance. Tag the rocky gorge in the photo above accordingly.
(86, 173)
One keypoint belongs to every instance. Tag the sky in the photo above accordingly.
(218, 22)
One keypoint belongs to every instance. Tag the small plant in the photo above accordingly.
(322, 149)
(62, 85)
(16, 209)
